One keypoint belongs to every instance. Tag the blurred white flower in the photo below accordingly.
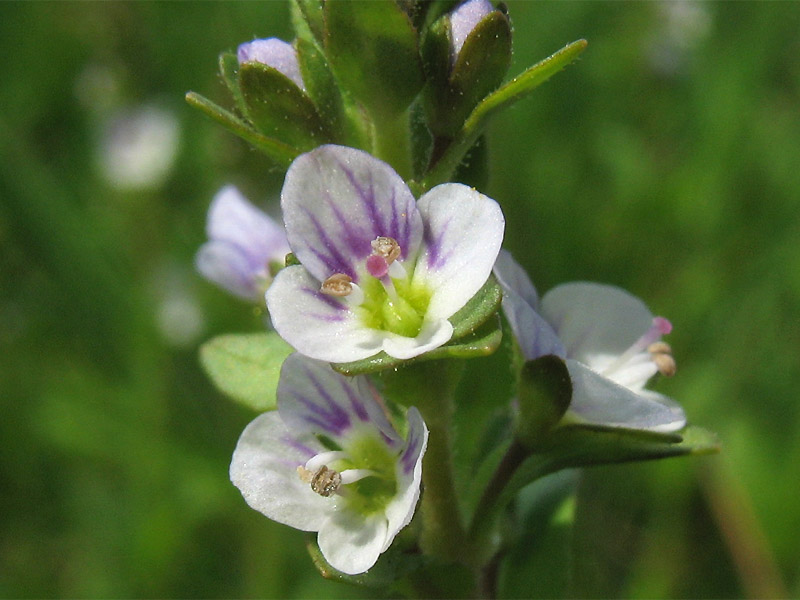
(138, 147)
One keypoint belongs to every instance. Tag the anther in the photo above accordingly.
(324, 481)
(338, 284)
(661, 354)
(387, 248)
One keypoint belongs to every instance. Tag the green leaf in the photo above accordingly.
(321, 87)
(580, 446)
(229, 69)
(511, 92)
(246, 367)
(278, 108)
(480, 68)
(372, 48)
(545, 391)
(281, 153)
(307, 19)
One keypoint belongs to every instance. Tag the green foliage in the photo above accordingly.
(246, 366)
(372, 48)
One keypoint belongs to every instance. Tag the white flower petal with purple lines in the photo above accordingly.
(380, 272)
(611, 343)
(330, 461)
(243, 242)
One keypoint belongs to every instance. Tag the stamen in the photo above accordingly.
(338, 284)
(660, 326)
(387, 248)
(324, 458)
(353, 475)
(324, 481)
(661, 353)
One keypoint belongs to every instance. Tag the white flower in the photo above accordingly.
(243, 243)
(611, 343)
(328, 460)
(274, 53)
(379, 270)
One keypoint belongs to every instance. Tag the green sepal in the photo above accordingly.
(321, 87)
(508, 94)
(278, 108)
(544, 394)
(584, 445)
(282, 154)
(229, 70)
(246, 367)
(479, 69)
(477, 311)
(474, 167)
(372, 48)
(392, 566)
(307, 19)
(291, 260)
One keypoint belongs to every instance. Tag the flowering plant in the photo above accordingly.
(387, 283)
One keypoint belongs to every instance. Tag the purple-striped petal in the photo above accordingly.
(313, 398)
(336, 201)
(463, 233)
(317, 325)
(264, 468)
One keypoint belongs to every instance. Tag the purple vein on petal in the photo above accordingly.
(334, 260)
(324, 298)
(410, 454)
(354, 238)
(299, 446)
(355, 402)
(433, 243)
(337, 414)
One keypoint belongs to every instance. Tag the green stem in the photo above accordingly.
(391, 142)
(492, 499)
(430, 387)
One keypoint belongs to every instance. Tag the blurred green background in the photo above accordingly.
(666, 161)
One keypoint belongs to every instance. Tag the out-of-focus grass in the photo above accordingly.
(665, 161)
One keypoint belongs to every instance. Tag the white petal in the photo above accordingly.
(232, 219)
(317, 325)
(463, 233)
(264, 468)
(432, 335)
(351, 543)
(595, 322)
(534, 335)
(313, 398)
(229, 268)
(409, 476)
(513, 278)
(600, 401)
(336, 201)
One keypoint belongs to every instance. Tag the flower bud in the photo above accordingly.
(463, 21)
(275, 53)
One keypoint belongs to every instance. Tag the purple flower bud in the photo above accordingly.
(274, 53)
(243, 242)
(464, 19)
